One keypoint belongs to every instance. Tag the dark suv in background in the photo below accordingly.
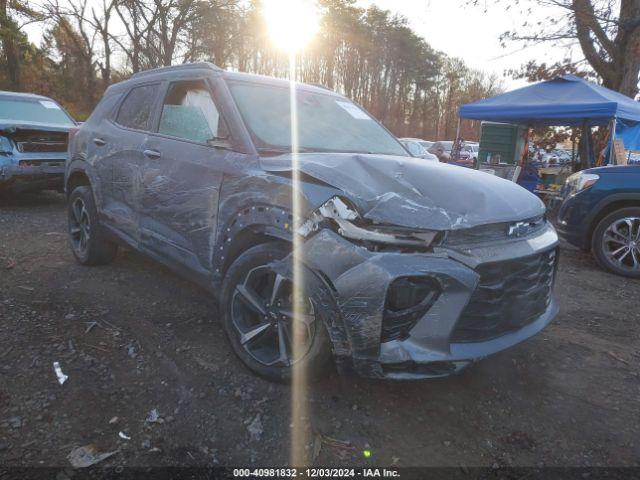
(601, 213)
(409, 269)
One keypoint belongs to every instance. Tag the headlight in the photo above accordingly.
(580, 181)
(345, 218)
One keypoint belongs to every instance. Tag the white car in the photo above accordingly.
(417, 149)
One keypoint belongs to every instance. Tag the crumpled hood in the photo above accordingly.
(411, 192)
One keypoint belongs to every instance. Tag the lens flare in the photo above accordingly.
(291, 23)
(299, 384)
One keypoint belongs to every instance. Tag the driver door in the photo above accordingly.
(181, 177)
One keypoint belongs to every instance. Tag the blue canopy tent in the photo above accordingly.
(563, 101)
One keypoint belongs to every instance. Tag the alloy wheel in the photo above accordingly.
(621, 243)
(262, 313)
(79, 226)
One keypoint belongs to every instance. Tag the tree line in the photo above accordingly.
(370, 55)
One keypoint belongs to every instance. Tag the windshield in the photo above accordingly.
(32, 110)
(426, 144)
(326, 123)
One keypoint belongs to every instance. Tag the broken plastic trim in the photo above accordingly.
(343, 216)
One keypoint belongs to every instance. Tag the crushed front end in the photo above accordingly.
(431, 303)
(32, 158)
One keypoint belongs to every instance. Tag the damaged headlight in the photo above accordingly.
(350, 225)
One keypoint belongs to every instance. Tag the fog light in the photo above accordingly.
(408, 299)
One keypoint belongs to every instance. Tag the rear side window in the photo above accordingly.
(135, 111)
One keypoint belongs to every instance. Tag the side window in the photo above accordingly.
(135, 111)
(189, 112)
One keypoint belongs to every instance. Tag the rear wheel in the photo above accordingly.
(268, 333)
(88, 243)
(616, 242)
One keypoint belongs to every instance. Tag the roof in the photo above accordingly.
(177, 70)
(567, 100)
(33, 96)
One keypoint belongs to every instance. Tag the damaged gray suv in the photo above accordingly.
(409, 269)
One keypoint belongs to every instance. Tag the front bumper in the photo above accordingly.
(358, 280)
(45, 172)
(574, 220)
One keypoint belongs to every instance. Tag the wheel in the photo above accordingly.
(88, 243)
(260, 321)
(616, 242)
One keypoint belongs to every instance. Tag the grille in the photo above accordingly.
(42, 146)
(41, 163)
(510, 295)
(489, 233)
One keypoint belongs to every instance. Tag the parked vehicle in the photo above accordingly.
(414, 145)
(409, 269)
(473, 149)
(466, 155)
(564, 156)
(33, 142)
(601, 213)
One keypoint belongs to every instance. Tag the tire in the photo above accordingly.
(618, 232)
(88, 242)
(250, 282)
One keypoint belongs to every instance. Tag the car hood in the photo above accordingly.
(415, 193)
(615, 169)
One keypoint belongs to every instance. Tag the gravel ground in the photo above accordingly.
(133, 337)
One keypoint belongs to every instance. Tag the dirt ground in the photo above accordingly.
(134, 337)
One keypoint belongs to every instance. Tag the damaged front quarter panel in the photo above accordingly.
(360, 269)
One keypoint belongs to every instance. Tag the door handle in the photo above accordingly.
(154, 154)
(100, 142)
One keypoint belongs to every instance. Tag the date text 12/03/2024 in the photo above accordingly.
(315, 473)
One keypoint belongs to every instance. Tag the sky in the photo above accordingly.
(467, 32)
(460, 30)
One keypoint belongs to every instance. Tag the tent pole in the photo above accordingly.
(524, 160)
(612, 137)
(585, 155)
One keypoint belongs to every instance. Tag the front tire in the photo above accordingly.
(616, 242)
(260, 321)
(88, 242)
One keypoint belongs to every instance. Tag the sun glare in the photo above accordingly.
(292, 23)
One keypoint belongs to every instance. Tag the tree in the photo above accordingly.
(14, 15)
(371, 55)
(607, 31)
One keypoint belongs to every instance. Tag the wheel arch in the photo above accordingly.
(608, 206)
(76, 176)
(248, 227)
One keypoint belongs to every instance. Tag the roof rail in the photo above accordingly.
(175, 68)
(319, 85)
